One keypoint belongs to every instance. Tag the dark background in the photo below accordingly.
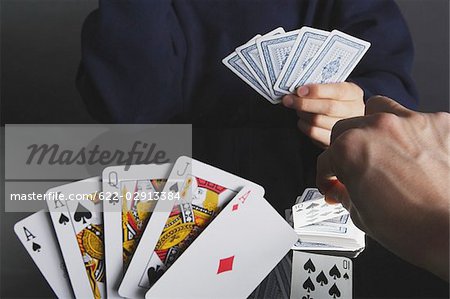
(40, 51)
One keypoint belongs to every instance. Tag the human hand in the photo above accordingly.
(391, 170)
(320, 106)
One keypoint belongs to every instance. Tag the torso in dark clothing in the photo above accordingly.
(160, 62)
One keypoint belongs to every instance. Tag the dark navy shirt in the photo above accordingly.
(148, 61)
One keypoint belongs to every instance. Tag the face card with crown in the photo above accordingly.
(186, 221)
(202, 191)
(130, 196)
(233, 254)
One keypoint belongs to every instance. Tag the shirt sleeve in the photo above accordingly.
(386, 67)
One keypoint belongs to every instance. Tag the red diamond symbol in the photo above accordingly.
(234, 207)
(225, 264)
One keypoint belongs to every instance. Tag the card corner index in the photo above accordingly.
(182, 159)
(18, 226)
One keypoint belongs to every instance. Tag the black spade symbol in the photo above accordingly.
(114, 199)
(36, 247)
(63, 219)
(174, 188)
(334, 291)
(334, 272)
(154, 274)
(82, 214)
(321, 278)
(309, 266)
(308, 285)
(345, 276)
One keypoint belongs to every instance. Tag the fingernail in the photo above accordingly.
(303, 91)
(288, 101)
(330, 193)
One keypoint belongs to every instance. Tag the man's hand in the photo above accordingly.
(391, 170)
(320, 106)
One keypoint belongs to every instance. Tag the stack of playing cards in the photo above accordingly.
(327, 237)
(156, 231)
(324, 227)
(278, 62)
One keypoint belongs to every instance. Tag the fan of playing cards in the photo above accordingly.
(278, 62)
(139, 232)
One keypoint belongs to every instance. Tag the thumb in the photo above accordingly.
(337, 193)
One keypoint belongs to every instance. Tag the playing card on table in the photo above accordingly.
(334, 61)
(202, 191)
(305, 47)
(250, 56)
(314, 211)
(309, 194)
(237, 66)
(320, 276)
(273, 51)
(37, 236)
(79, 228)
(233, 255)
(130, 196)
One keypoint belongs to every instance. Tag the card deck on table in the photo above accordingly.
(78, 225)
(336, 235)
(334, 61)
(320, 276)
(314, 211)
(202, 190)
(309, 194)
(37, 236)
(130, 196)
(223, 259)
